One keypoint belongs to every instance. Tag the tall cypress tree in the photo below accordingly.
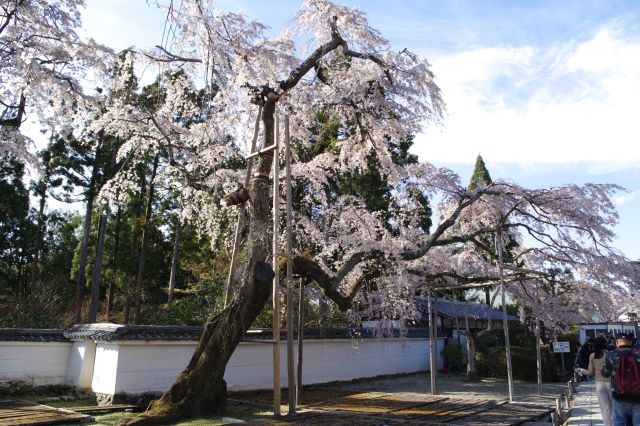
(480, 175)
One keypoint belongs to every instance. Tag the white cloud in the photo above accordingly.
(626, 198)
(569, 103)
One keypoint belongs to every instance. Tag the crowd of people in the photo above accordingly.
(614, 363)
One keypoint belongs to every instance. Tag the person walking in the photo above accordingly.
(623, 366)
(603, 384)
(583, 358)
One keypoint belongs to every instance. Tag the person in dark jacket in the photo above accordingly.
(583, 354)
(582, 359)
(625, 408)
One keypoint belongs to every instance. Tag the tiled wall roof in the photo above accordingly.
(118, 332)
(31, 335)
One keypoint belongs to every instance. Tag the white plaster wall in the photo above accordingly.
(330, 360)
(137, 367)
(150, 366)
(105, 368)
(81, 361)
(34, 363)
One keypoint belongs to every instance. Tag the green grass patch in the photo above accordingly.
(235, 412)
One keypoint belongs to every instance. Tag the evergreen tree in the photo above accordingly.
(16, 229)
(480, 175)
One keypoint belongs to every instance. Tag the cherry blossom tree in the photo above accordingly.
(364, 261)
(42, 64)
(561, 263)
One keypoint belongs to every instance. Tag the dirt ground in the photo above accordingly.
(407, 399)
(453, 384)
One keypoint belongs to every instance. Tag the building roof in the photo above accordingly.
(454, 308)
(344, 333)
(112, 332)
(31, 335)
(118, 332)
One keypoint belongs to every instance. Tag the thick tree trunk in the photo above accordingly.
(114, 264)
(472, 368)
(84, 250)
(42, 192)
(174, 267)
(200, 389)
(97, 266)
(130, 288)
(137, 315)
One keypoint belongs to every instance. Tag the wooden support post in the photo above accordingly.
(538, 342)
(242, 213)
(276, 270)
(291, 379)
(505, 322)
(538, 357)
(262, 151)
(300, 340)
(433, 341)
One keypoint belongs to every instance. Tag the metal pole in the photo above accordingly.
(432, 343)
(242, 213)
(290, 302)
(505, 323)
(300, 339)
(276, 278)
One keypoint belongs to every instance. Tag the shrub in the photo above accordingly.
(453, 355)
(525, 361)
(481, 363)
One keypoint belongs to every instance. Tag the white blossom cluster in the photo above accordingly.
(201, 127)
(44, 62)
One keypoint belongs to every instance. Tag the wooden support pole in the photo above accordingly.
(262, 151)
(505, 322)
(300, 339)
(433, 341)
(470, 372)
(276, 270)
(242, 214)
(538, 342)
(291, 378)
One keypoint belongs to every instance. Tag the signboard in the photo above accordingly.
(561, 347)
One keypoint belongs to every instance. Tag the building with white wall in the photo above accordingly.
(113, 360)
(607, 329)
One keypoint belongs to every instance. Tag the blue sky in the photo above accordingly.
(546, 91)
